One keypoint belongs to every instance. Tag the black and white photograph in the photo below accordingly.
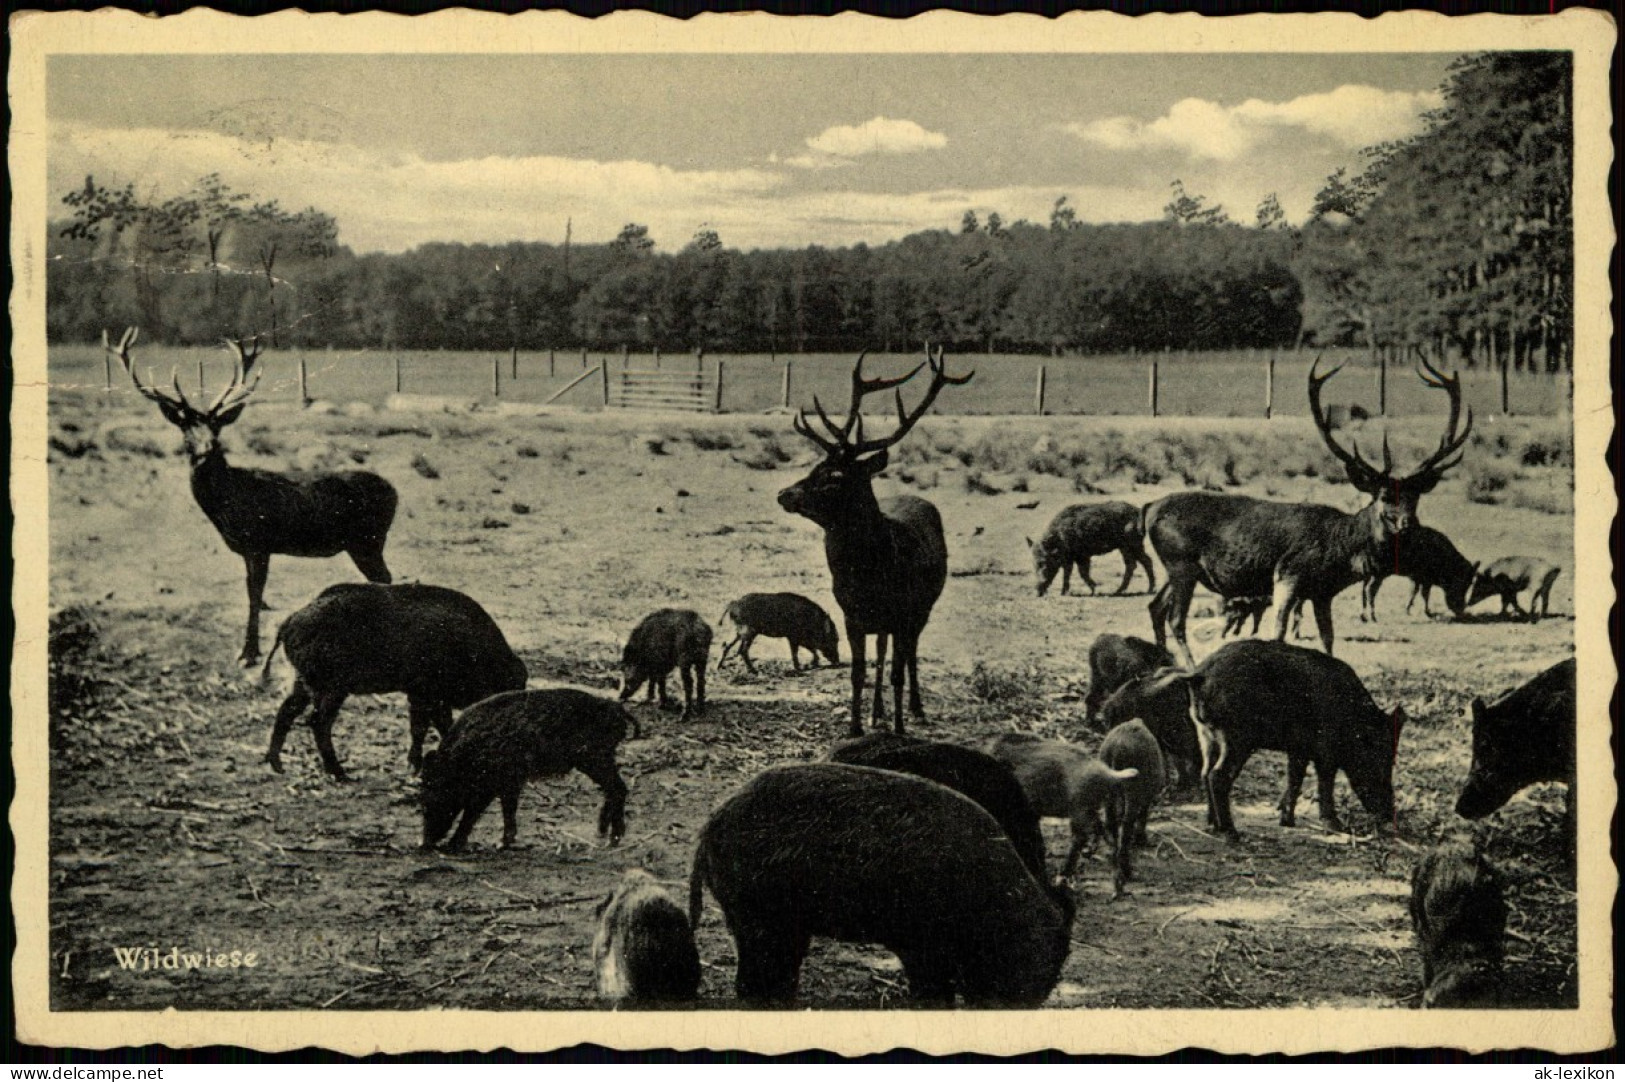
(760, 533)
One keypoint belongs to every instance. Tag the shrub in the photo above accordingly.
(1547, 449)
(707, 440)
(424, 468)
(998, 685)
(1547, 499)
(1486, 482)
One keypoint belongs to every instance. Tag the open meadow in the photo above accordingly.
(167, 827)
(1215, 384)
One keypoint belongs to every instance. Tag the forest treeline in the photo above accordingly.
(1458, 241)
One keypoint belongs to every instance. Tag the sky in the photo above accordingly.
(767, 150)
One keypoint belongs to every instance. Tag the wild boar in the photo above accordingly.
(1260, 694)
(1086, 530)
(1426, 557)
(664, 640)
(1524, 737)
(1510, 576)
(874, 856)
(1130, 746)
(502, 742)
(780, 616)
(644, 950)
(1114, 660)
(1459, 915)
(964, 770)
(1062, 781)
(436, 645)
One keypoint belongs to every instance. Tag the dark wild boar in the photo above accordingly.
(1426, 557)
(1237, 610)
(873, 856)
(1130, 746)
(435, 645)
(780, 616)
(1258, 694)
(964, 770)
(1087, 530)
(668, 639)
(644, 949)
(1158, 699)
(502, 742)
(1460, 919)
(1524, 737)
(1114, 660)
(1510, 576)
(1062, 781)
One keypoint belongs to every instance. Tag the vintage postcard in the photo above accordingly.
(472, 474)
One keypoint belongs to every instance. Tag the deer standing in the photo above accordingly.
(1238, 546)
(888, 558)
(258, 512)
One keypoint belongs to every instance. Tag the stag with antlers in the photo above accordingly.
(1238, 546)
(258, 512)
(888, 558)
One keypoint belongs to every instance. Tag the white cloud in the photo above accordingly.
(878, 136)
(1351, 116)
(394, 201)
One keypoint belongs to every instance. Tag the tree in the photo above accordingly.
(1463, 234)
(1187, 209)
(1062, 217)
(1270, 214)
(270, 232)
(969, 224)
(995, 224)
(705, 240)
(633, 241)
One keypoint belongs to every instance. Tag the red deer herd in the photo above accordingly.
(929, 848)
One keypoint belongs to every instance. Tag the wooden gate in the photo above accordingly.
(662, 390)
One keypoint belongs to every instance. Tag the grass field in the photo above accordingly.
(1202, 385)
(166, 826)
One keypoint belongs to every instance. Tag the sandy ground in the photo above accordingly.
(167, 829)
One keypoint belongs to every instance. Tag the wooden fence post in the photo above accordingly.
(626, 355)
(200, 388)
(1038, 394)
(784, 389)
(496, 375)
(1506, 391)
(1269, 385)
(1152, 390)
(604, 371)
(657, 358)
(718, 407)
(513, 360)
(583, 357)
(304, 384)
(550, 370)
(1382, 382)
(107, 370)
(397, 371)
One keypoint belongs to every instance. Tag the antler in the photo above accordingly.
(1362, 475)
(122, 352)
(1451, 446)
(848, 437)
(235, 393)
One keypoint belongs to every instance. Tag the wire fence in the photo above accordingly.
(1233, 383)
